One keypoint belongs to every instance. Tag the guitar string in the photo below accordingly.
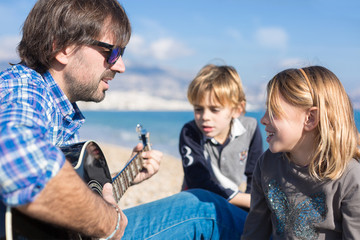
(128, 175)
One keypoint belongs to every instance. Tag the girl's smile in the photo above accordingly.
(269, 135)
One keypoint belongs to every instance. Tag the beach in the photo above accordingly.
(165, 183)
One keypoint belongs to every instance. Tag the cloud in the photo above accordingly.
(272, 37)
(169, 48)
(8, 47)
(137, 46)
(234, 33)
(165, 48)
(293, 63)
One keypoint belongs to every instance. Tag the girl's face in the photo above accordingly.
(286, 133)
(213, 119)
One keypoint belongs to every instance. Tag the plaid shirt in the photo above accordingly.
(35, 118)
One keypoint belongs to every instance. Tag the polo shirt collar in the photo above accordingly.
(237, 129)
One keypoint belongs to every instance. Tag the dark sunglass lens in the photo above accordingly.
(122, 50)
(115, 54)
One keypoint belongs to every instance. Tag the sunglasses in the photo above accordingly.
(114, 51)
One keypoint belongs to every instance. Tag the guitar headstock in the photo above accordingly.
(144, 136)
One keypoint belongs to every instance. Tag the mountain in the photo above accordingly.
(169, 84)
(136, 101)
(144, 87)
(154, 88)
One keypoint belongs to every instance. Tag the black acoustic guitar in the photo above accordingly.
(89, 162)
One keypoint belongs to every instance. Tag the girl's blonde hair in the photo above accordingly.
(222, 82)
(337, 139)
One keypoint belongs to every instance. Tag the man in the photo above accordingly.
(70, 51)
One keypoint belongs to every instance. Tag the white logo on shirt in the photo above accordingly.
(186, 151)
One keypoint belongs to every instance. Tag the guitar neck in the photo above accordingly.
(123, 180)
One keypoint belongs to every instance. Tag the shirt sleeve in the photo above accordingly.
(258, 222)
(28, 160)
(197, 170)
(255, 151)
(350, 208)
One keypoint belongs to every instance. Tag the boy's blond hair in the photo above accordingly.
(337, 139)
(222, 82)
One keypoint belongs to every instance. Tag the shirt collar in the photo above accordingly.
(67, 109)
(237, 129)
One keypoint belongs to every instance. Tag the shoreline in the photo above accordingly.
(166, 182)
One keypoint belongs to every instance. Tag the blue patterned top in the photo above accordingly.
(287, 203)
(35, 118)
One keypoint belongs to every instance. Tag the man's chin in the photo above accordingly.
(95, 99)
(100, 99)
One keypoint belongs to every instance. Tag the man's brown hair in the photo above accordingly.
(53, 25)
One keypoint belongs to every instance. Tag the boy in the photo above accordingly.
(220, 147)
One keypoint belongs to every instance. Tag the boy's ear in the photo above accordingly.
(312, 119)
(238, 111)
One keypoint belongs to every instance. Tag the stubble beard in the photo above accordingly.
(83, 91)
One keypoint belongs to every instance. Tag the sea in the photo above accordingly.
(119, 127)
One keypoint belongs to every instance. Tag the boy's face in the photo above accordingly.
(213, 119)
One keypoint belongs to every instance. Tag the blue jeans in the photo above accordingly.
(192, 214)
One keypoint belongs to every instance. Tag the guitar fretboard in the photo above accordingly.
(123, 180)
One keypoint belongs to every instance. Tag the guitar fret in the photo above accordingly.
(127, 175)
(133, 171)
(116, 191)
(138, 164)
(124, 179)
(127, 184)
(120, 187)
(122, 184)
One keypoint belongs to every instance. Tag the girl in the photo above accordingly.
(220, 147)
(307, 185)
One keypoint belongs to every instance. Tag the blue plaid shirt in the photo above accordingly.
(35, 118)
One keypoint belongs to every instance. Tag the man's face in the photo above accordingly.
(87, 74)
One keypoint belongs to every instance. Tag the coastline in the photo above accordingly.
(166, 182)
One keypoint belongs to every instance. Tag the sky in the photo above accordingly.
(258, 37)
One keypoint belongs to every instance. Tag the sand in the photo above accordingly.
(164, 183)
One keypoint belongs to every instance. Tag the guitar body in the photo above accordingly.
(24, 227)
(89, 162)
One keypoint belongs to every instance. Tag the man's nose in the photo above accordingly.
(118, 66)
